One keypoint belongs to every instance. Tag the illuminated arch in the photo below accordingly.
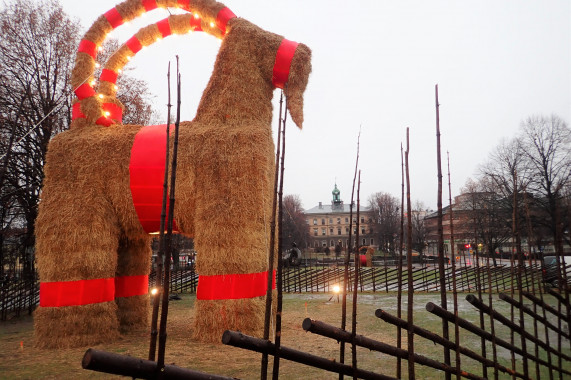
(100, 105)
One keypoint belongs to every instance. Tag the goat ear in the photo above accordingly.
(297, 81)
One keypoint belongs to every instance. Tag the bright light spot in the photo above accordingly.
(107, 113)
(115, 88)
(196, 16)
(100, 96)
(158, 39)
(336, 289)
(92, 83)
(119, 71)
(100, 48)
(211, 24)
(128, 58)
(154, 291)
(97, 65)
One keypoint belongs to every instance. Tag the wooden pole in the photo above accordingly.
(399, 267)
(123, 365)
(356, 281)
(237, 339)
(347, 257)
(168, 240)
(410, 309)
(160, 253)
(442, 279)
(454, 290)
(268, 310)
(278, 333)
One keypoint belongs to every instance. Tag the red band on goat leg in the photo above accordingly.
(283, 62)
(147, 171)
(129, 286)
(233, 286)
(75, 293)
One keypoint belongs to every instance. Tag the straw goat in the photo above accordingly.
(93, 254)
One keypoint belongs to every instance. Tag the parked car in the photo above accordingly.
(550, 271)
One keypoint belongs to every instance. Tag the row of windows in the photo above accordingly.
(338, 220)
(343, 244)
(324, 230)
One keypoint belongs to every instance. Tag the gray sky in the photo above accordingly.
(375, 65)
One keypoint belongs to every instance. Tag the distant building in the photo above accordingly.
(329, 224)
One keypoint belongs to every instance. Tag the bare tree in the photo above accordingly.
(546, 144)
(294, 225)
(37, 52)
(386, 216)
(419, 211)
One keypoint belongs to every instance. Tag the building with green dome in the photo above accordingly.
(329, 224)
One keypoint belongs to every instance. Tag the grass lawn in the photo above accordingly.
(19, 359)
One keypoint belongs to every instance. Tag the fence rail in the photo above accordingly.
(20, 295)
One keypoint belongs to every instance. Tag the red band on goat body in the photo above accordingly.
(114, 17)
(233, 286)
(113, 115)
(282, 64)
(74, 293)
(87, 47)
(146, 175)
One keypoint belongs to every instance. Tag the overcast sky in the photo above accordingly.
(375, 65)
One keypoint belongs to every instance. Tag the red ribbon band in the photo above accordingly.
(115, 115)
(108, 76)
(84, 91)
(164, 27)
(149, 4)
(134, 44)
(87, 47)
(224, 15)
(233, 286)
(85, 292)
(76, 111)
(282, 63)
(146, 175)
(114, 17)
